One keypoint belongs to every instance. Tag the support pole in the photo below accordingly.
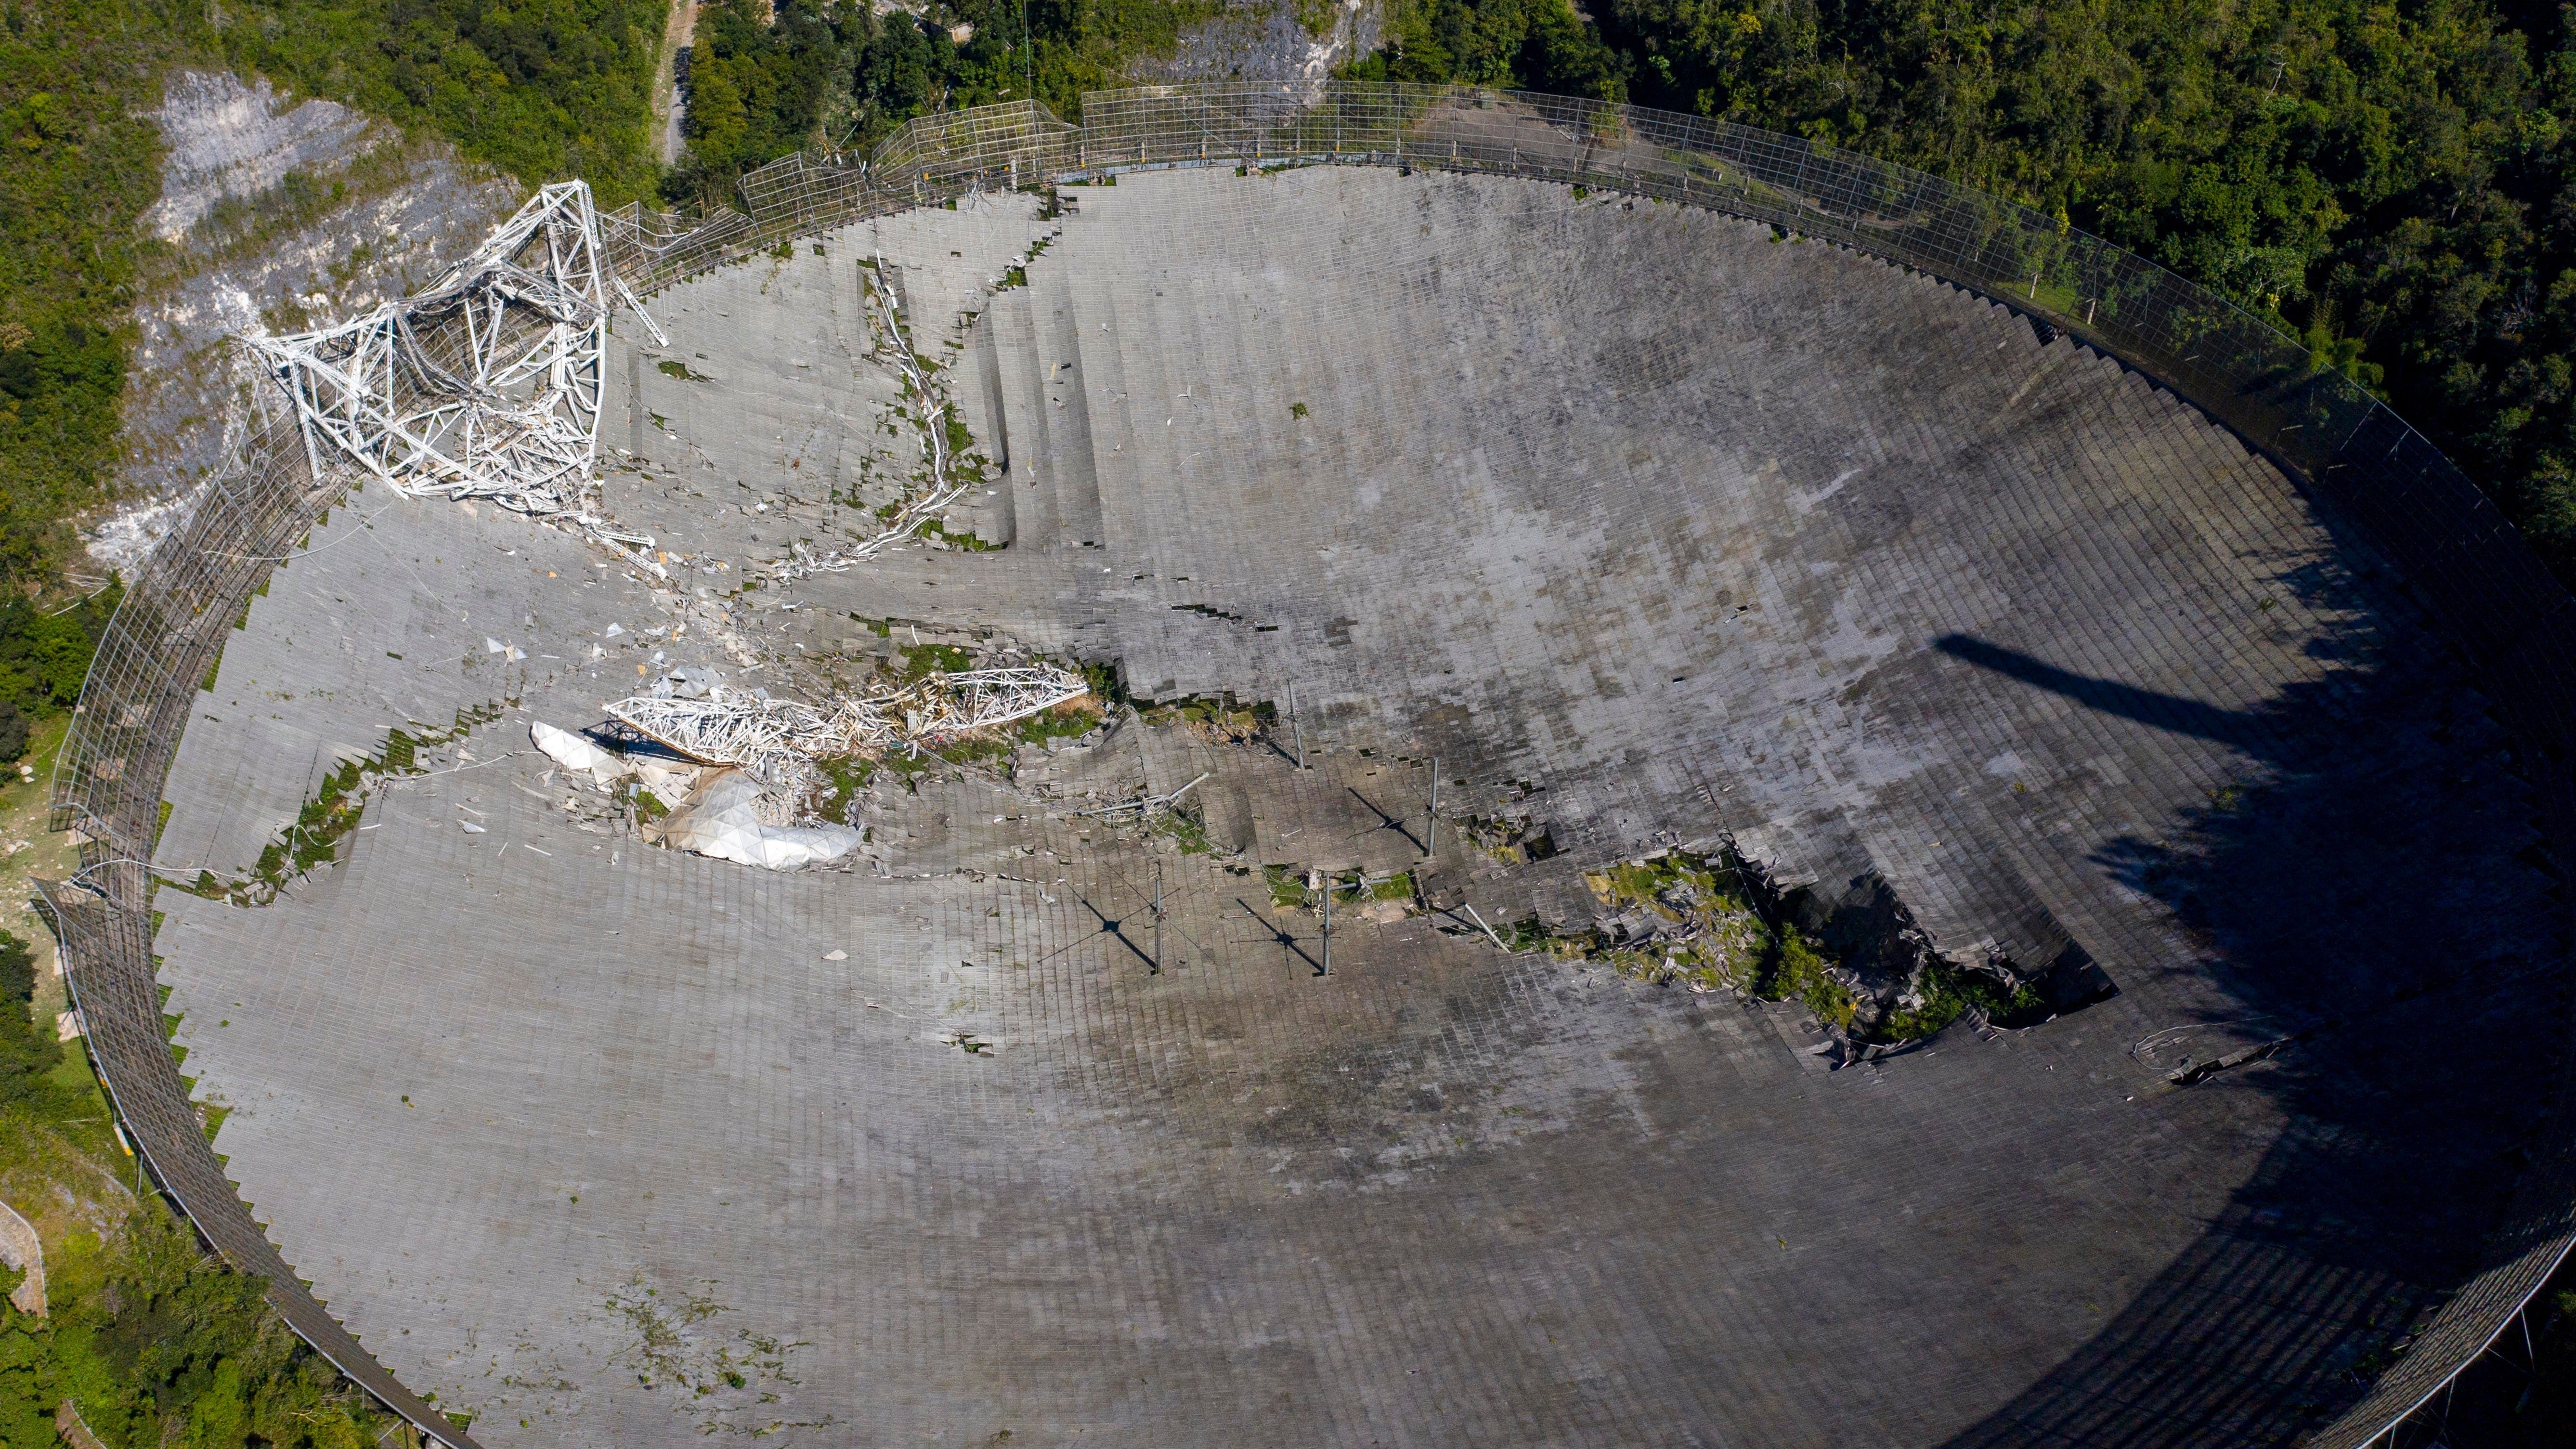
(1295, 726)
(1328, 925)
(1431, 833)
(1158, 920)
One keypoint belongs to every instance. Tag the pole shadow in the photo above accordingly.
(1286, 941)
(1386, 821)
(1110, 926)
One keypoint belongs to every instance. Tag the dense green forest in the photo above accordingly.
(2393, 183)
(78, 163)
(839, 77)
(543, 89)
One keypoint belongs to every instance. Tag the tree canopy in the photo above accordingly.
(2392, 184)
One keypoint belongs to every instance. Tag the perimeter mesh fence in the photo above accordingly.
(2512, 623)
(160, 649)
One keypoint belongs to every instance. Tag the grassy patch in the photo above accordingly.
(1288, 888)
(920, 661)
(1287, 885)
(1947, 993)
(1060, 721)
(334, 810)
(909, 767)
(1795, 968)
(1218, 720)
(934, 528)
(315, 836)
(1710, 931)
(975, 749)
(1184, 826)
(848, 774)
(1707, 932)
(1511, 841)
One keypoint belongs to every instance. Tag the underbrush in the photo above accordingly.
(154, 1343)
(334, 810)
(1706, 922)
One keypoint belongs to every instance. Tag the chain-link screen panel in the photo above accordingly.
(160, 648)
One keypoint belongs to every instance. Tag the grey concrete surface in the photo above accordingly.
(384, 619)
(1652, 528)
(791, 407)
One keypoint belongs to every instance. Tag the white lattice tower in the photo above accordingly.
(777, 739)
(983, 697)
(729, 727)
(486, 383)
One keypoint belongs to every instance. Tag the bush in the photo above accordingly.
(28, 1051)
(158, 1344)
(1538, 45)
(44, 657)
(545, 90)
(13, 732)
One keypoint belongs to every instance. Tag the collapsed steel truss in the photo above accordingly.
(486, 383)
(777, 740)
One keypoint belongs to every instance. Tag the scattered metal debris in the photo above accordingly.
(947, 485)
(778, 740)
(1144, 807)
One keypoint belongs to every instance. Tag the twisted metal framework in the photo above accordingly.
(2499, 608)
(486, 383)
(777, 740)
(733, 727)
(981, 698)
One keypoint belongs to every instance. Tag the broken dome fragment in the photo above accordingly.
(722, 818)
(576, 752)
(724, 812)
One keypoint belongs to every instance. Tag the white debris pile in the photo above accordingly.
(577, 752)
(722, 812)
(724, 818)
